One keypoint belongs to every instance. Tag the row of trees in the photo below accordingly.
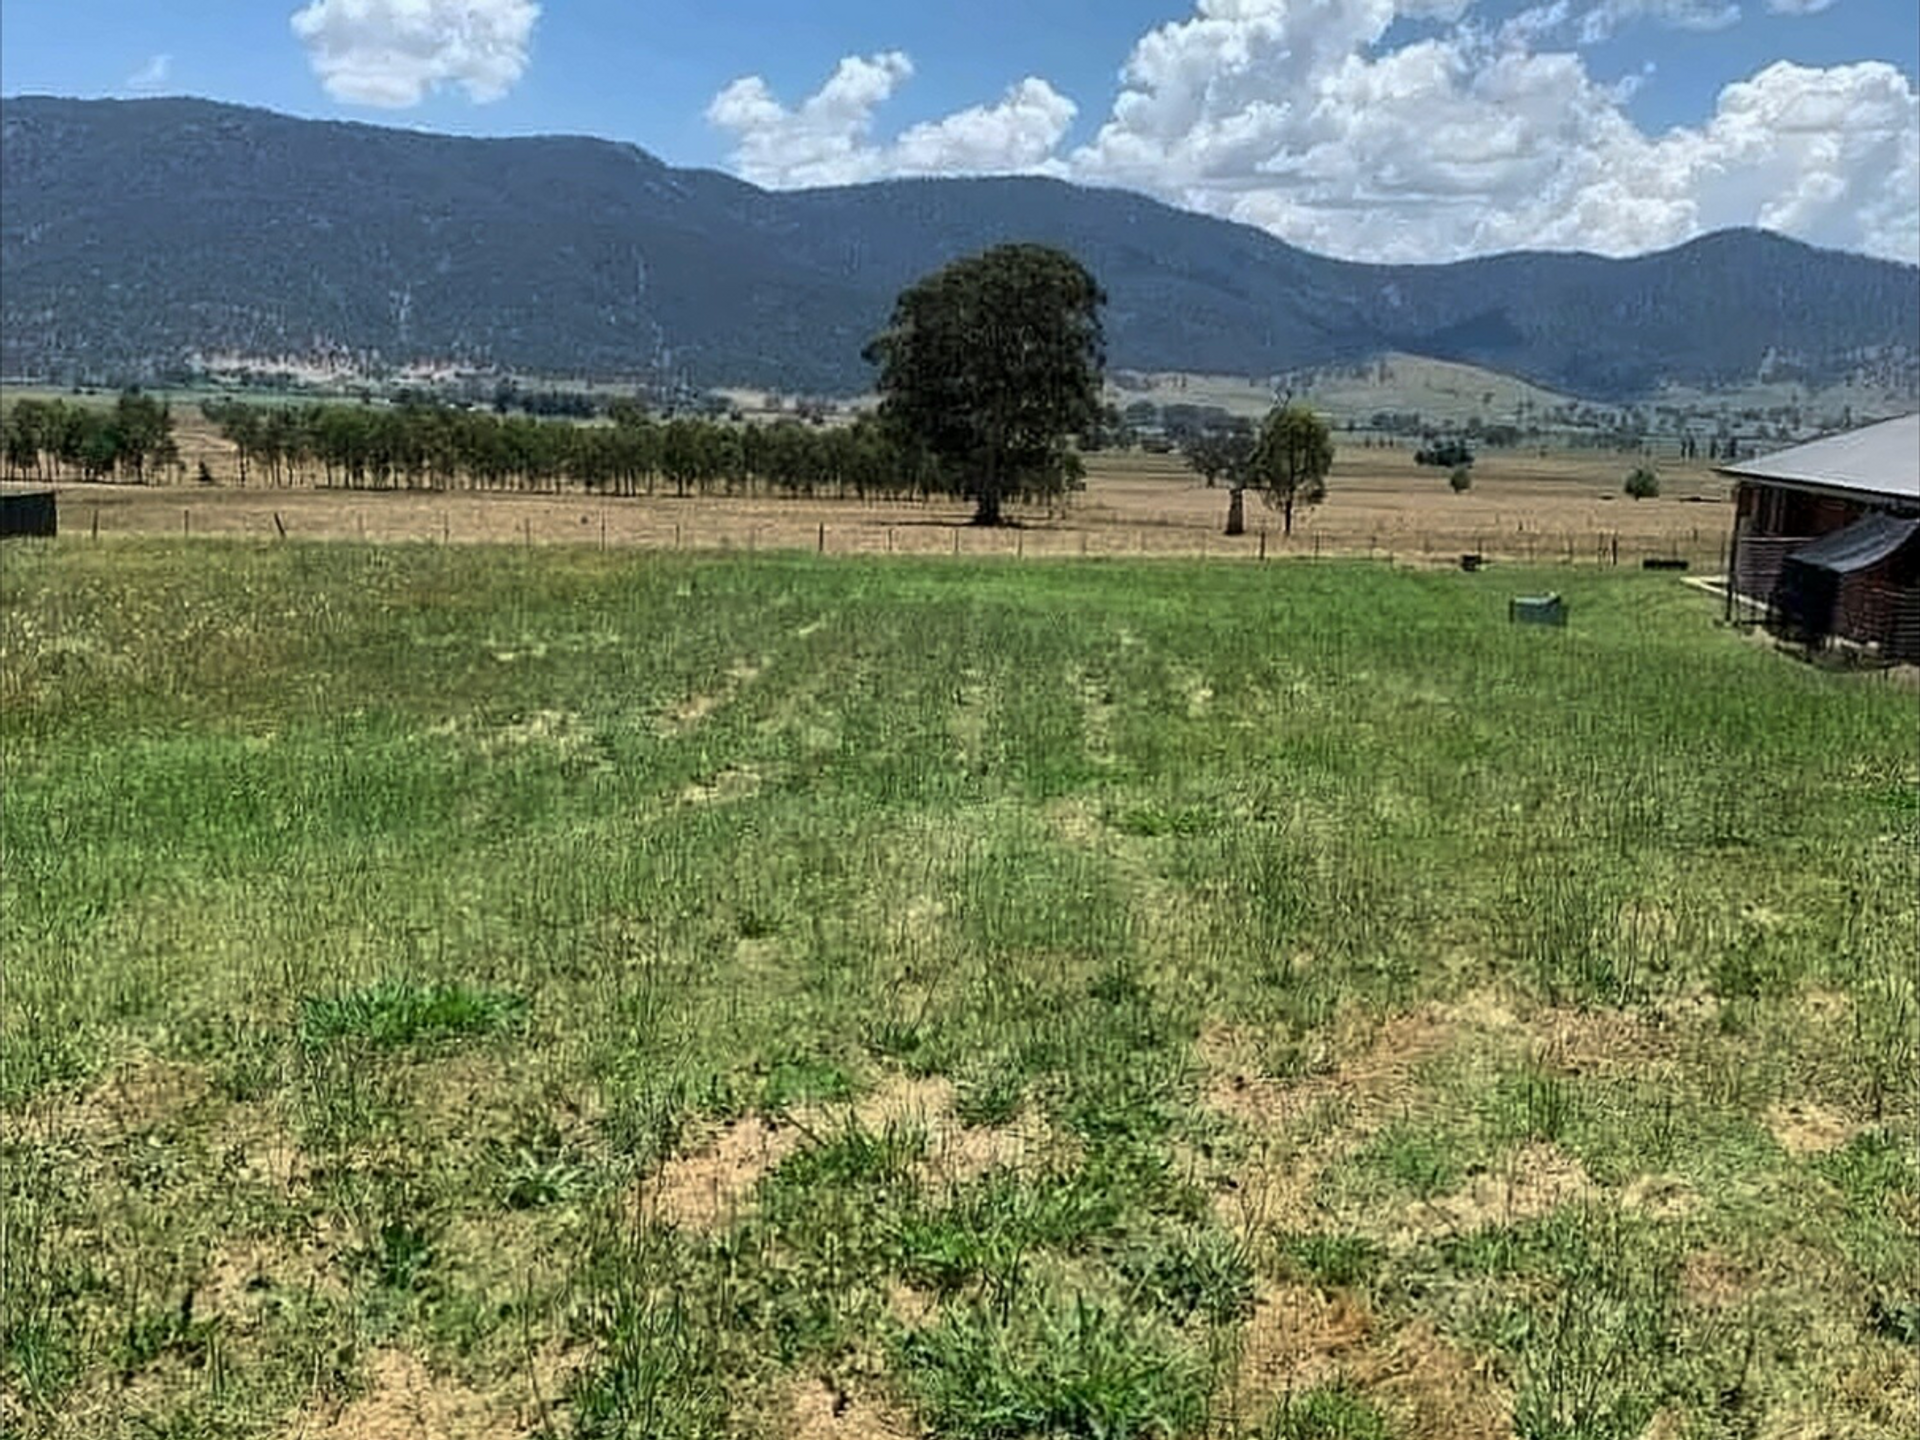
(435, 447)
(59, 440)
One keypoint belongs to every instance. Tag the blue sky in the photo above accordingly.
(1380, 129)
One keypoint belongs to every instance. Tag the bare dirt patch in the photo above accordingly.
(1599, 1042)
(693, 711)
(957, 1152)
(244, 1276)
(1300, 1127)
(1295, 1339)
(1373, 1066)
(1713, 1281)
(140, 1096)
(1805, 1127)
(910, 1305)
(405, 1401)
(558, 730)
(1663, 1197)
(1535, 1179)
(1447, 1394)
(738, 782)
(823, 1410)
(708, 1188)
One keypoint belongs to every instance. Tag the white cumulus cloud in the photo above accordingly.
(391, 53)
(1610, 16)
(1798, 7)
(1290, 116)
(1296, 116)
(152, 75)
(828, 138)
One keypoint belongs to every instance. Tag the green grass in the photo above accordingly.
(382, 926)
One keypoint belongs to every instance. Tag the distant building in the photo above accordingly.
(1826, 538)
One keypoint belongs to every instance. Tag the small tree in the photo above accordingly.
(1290, 460)
(1223, 456)
(1461, 479)
(990, 366)
(1643, 484)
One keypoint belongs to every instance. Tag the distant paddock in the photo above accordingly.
(1564, 508)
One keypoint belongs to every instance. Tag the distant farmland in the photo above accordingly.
(486, 991)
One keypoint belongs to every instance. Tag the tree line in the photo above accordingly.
(439, 447)
(59, 440)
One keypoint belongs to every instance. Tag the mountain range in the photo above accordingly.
(138, 235)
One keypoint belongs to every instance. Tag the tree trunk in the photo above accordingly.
(1236, 511)
(1286, 513)
(986, 510)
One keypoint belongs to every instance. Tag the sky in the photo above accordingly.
(1381, 130)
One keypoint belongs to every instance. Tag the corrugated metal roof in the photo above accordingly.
(1881, 459)
(1866, 542)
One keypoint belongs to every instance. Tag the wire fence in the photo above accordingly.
(866, 532)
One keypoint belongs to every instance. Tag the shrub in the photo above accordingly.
(1461, 479)
(1443, 452)
(1643, 484)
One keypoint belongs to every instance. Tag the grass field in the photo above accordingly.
(473, 991)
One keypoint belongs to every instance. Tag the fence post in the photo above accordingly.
(279, 525)
(96, 522)
(820, 546)
(603, 529)
(186, 522)
(1263, 544)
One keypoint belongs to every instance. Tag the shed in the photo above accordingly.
(1825, 539)
(28, 512)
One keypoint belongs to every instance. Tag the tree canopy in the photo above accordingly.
(989, 366)
(1224, 456)
(1291, 460)
(51, 439)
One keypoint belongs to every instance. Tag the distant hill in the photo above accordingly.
(136, 234)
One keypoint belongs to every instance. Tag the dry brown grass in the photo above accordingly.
(1554, 508)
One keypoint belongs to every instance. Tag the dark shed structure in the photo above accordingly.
(1826, 539)
(27, 512)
